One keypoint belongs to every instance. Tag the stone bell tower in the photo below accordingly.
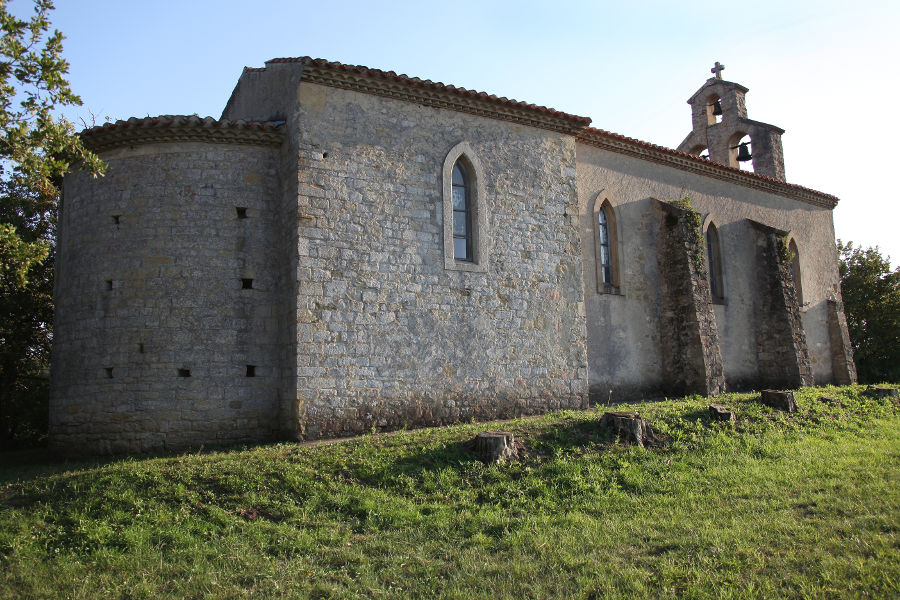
(721, 127)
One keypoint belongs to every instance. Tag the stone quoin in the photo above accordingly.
(348, 249)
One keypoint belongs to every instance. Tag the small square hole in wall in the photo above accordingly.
(141, 348)
(246, 284)
(241, 212)
(115, 219)
(251, 370)
(109, 285)
(184, 372)
(108, 371)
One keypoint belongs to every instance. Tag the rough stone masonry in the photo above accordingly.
(289, 270)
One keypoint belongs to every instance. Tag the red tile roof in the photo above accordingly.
(171, 128)
(427, 84)
(661, 154)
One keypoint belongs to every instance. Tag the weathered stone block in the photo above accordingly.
(779, 399)
(878, 391)
(717, 412)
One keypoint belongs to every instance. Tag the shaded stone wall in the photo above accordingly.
(841, 351)
(692, 360)
(149, 287)
(782, 353)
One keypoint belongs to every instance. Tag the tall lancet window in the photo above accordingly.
(462, 215)
(606, 274)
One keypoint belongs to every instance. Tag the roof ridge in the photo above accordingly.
(429, 85)
(171, 128)
(826, 200)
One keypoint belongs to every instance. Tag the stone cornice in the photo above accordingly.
(434, 94)
(694, 164)
(179, 128)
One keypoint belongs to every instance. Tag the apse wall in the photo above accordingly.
(166, 331)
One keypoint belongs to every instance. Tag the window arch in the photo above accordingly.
(464, 211)
(606, 247)
(714, 264)
(462, 214)
(794, 255)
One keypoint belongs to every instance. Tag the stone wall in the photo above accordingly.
(782, 353)
(623, 328)
(387, 336)
(692, 362)
(149, 288)
(841, 349)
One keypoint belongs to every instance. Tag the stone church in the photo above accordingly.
(349, 249)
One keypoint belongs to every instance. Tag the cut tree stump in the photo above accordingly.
(780, 400)
(880, 391)
(717, 412)
(495, 446)
(631, 428)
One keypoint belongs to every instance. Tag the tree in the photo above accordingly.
(37, 148)
(872, 304)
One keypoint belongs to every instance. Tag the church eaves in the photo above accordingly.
(181, 128)
(621, 144)
(433, 93)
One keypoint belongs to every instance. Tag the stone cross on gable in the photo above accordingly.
(717, 70)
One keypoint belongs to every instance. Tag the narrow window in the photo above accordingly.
(184, 372)
(603, 240)
(251, 370)
(606, 246)
(109, 284)
(109, 372)
(241, 212)
(246, 284)
(115, 219)
(714, 258)
(462, 215)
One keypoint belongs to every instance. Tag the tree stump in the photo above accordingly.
(880, 391)
(717, 412)
(780, 400)
(495, 446)
(631, 428)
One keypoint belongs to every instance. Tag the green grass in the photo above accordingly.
(803, 505)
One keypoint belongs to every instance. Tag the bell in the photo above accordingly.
(743, 153)
(717, 108)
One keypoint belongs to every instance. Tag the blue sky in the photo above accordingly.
(825, 71)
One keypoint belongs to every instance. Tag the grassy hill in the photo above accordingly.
(778, 505)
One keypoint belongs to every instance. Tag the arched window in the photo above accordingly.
(462, 215)
(714, 262)
(603, 240)
(465, 218)
(795, 270)
(607, 251)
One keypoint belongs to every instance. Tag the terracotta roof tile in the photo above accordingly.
(427, 83)
(164, 128)
(590, 132)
